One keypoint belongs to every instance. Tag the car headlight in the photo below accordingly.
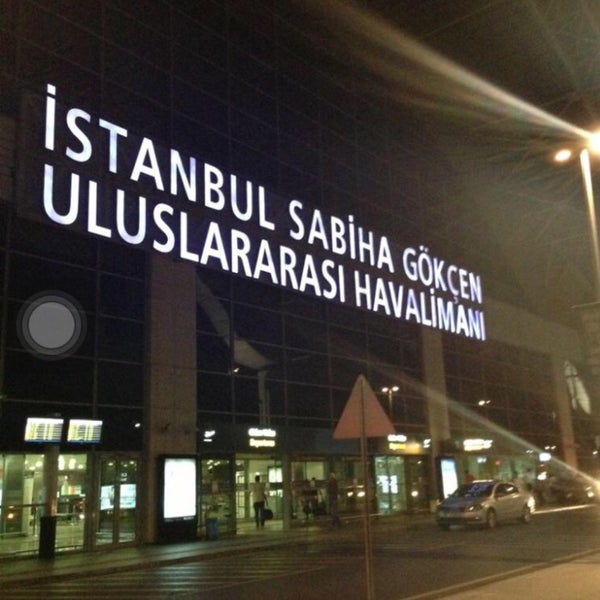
(473, 507)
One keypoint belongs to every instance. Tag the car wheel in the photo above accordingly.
(526, 514)
(491, 520)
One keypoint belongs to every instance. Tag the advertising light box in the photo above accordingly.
(449, 475)
(178, 490)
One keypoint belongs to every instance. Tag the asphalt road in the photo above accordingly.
(421, 563)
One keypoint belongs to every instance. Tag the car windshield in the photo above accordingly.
(479, 489)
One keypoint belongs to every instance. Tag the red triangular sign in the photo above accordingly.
(362, 401)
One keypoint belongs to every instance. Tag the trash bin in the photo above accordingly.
(47, 536)
(212, 528)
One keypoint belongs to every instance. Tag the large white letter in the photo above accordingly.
(86, 146)
(213, 247)
(152, 170)
(189, 182)
(213, 182)
(138, 238)
(293, 206)
(70, 217)
(93, 226)
(50, 117)
(114, 131)
(169, 243)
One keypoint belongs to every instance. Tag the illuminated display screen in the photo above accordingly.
(449, 476)
(85, 172)
(42, 429)
(128, 495)
(107, 497)
(84, 431)
(179, 492)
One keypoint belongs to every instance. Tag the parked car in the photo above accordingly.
(485, 503)
(565, 489)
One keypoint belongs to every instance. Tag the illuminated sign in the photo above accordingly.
(87, 173)
(84, 431)
(262, 438)
(476, 445)
(43, 429)
(209, 436)
(179, 488)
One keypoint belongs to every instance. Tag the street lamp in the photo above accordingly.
(564, 155)
(389, 390)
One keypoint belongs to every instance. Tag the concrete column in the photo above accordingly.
(436, 401)
(563, 412)
(286, 468)
(170, 399)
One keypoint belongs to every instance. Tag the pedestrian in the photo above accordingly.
(332, 499)
(259, 497)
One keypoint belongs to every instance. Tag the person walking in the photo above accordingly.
(259, 497)
(332, 499)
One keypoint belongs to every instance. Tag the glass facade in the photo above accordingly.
(243, 87)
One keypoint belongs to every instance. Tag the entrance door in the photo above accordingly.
(117, 501)
(391, 484)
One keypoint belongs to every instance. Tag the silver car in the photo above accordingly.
(484, 503)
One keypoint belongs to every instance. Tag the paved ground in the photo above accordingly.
(576, 579)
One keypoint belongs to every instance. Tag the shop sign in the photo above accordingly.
(262, 437)
(88, 173)
(477, 445)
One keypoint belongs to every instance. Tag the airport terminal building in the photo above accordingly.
(209, 229)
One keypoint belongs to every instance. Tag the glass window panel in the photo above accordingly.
(69, 380)
(247, 291)
(414, 410)
(144, 42)
(122, 260)
(307, 367)
(120, 339)
(120, 384)
(247, 395)
(202, 107)
(214, 392)
(198, 38)
(276, 395)
(308, 401)
(344, 371)
(213, 354)
(31, 276)
(260, 325)
(347, 342)
(384, 349)
(53, 242)
(121, 297)
(122, 428)
(306, 334)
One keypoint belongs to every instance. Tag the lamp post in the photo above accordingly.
(564, 155)
(389, 390)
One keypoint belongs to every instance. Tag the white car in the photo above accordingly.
(485, 503)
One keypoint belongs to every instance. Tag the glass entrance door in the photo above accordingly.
(391, 484)
(117, 501)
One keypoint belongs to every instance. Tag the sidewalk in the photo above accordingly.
(31, 570)
(578, 579)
